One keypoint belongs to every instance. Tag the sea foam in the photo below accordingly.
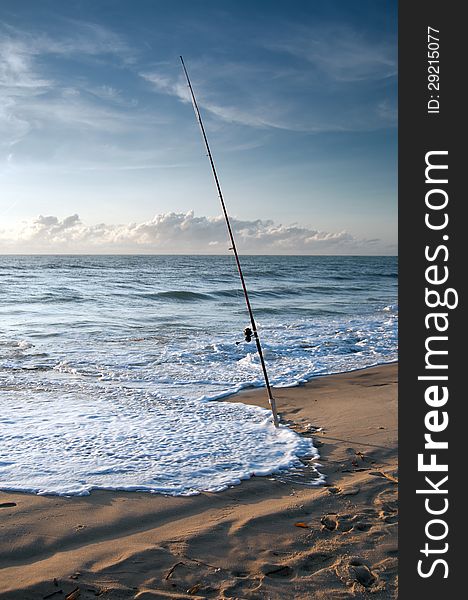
(127, 440)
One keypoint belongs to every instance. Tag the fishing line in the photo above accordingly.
(255, 336)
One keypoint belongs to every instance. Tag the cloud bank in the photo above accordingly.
(176, 233)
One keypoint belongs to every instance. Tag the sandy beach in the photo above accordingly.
(270, 537)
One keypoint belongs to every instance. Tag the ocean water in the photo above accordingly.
(111, 366)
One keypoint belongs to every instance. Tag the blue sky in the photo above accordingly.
(100, 151)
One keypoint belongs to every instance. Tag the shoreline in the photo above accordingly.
(269, 537)
(226, 396)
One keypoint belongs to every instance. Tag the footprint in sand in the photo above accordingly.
(388, 506)
(240, 589)
(362, 526)
(240, 574)
(372, 512)
(329, 522)
(315, 561)
(282, 571)
(357, 570)
(347, 522)
(361, 573)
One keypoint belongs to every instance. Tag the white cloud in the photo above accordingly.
(171, 233)
(337, 70)
(29, 99)
(339, 52)
(254, 116)
(20, 73)
(83, 38)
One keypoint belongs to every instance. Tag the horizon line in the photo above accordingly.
(187, 254)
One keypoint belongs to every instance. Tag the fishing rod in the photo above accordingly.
(271, 400)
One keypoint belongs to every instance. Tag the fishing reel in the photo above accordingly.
(248, 334)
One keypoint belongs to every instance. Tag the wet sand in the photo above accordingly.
(274, 537)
